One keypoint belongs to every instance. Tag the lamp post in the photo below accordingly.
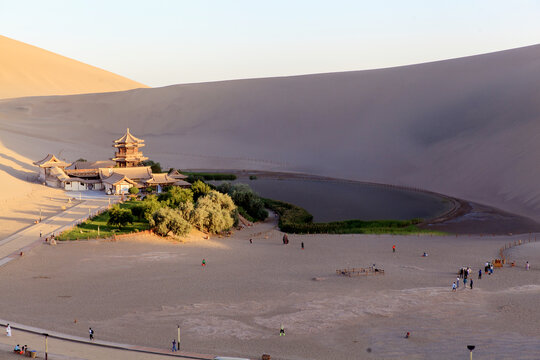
(178, 343)
(46, 346)
(471, 348)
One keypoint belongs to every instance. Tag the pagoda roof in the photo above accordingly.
(160, 179)
(128, 139)
(50, 161)
(182, 183)
(91, 165)
(59, 174)
(116, 178)
(136, 172)
(176, 174)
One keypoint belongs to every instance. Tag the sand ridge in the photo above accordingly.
(26, 70)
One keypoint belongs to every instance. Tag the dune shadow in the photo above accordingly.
(22, 164)
(28, 176)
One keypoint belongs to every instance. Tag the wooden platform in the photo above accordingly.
(360, 271)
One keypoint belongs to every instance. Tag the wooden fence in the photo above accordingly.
(510, 245)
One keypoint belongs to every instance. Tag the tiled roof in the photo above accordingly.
(128, 138)
(49, 161)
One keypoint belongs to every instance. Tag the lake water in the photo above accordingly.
(341, 200)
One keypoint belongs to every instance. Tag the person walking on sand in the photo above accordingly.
(479, 273)
(251, 241)
(527, 266)
(393, 248)
(282, 331)
(174, 345)
(91, 334)
(471, 284)
(465, 283)
(203, 262)
(457, 282)
(302, 245)
(8, 330)
(454, 286)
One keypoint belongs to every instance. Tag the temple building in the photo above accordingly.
(127, 151)
(115, 176)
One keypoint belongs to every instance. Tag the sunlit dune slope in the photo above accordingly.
(467, 127)
(26, 70)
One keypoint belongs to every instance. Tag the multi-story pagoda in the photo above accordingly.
(127, 151)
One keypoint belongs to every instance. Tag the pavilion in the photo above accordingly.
(114, 176)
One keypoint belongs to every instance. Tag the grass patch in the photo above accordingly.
(296, 220)
(205, 176)
(89, 228)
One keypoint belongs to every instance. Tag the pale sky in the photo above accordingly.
(169, 42)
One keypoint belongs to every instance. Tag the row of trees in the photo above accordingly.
(178, 210)
(202, 206)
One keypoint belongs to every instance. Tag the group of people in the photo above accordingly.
(465, 274)
(20, 350)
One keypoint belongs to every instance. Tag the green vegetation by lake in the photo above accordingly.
(206, 176)
(296, 220)
(89, 228)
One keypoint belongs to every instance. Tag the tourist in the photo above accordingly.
(174, 345)
(23, 350)
(527, 266)
(302, 245)
(408, 335)
(251, 241)
(91, 333)
(17, 348)
(457, 282)
(282, 331)
(285, 239)
(465, 283)
(393, 248)
(203, 262)
(40, 234)
(454, 286)
(424, 254)
(471, 284)
(479, 273)
(8, 330)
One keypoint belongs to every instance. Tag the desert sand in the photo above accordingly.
(137, 292)
(462, 127)
(26, 70)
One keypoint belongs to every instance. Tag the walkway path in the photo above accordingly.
(65, 346)
(27, 238)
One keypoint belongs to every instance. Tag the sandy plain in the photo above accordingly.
(138, 291)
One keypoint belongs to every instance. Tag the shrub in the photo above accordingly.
(252, 177)
(248, 202)
(176, 196)
(150, 205)
(214, 212)
(199, 189)
(166, 220)
(133, 190)
(194, 176)
(294, 219)
(119, 217)
(155, 166)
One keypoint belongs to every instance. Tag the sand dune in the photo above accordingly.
(465, 127)
(26, 70)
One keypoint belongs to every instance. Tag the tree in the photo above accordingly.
(246, 199)
(155, 166)
(133, 190)
(166, 220)
(119, 216)
(176, 196)
(199, 189)
(150, 205)
(214, 212)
